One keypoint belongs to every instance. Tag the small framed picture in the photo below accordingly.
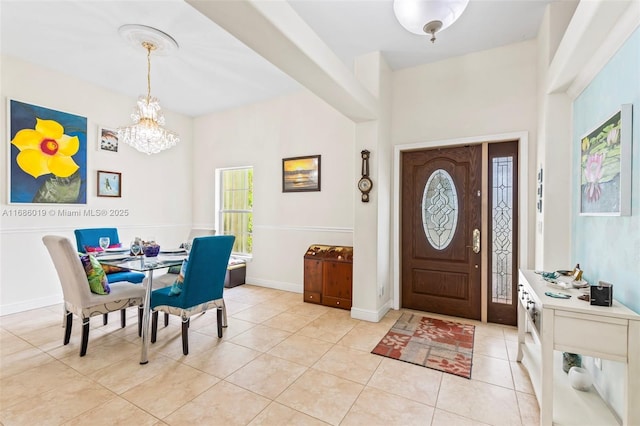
(109, 184)
(107, 139)
(301, 174)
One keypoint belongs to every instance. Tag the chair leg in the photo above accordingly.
(105, 319)
(166, 319)
(185, 337)
(123, 317)
(224, 314)
(219, 321)
(85, 336)
(140, 313)
(67, 327)
(154, 326)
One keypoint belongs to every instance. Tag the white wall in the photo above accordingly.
(285, 224)
(484, 93)
(156, 190)
(554, 117)
(479, 94)
(372, 242)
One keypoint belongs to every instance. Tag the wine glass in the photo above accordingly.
(187, 247)
(136, 248)
(104, 243)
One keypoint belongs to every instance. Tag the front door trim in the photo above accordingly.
(523, 195)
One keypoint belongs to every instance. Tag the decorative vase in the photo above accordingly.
(580, 379)
(151, 250)
(570, 360)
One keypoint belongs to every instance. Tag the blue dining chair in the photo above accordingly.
(202, 286)
(90, 237)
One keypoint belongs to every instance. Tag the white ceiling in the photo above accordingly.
(213, 71)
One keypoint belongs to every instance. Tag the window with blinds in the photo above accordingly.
(235, 212)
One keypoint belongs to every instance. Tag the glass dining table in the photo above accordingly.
(147, 265)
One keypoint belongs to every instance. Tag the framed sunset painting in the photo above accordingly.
(301, 174)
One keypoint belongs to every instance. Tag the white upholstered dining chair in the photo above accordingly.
(78, 298)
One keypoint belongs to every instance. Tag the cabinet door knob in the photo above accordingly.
(337, 303)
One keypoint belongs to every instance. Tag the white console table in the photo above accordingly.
(547, 324)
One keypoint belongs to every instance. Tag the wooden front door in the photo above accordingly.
(441, 213)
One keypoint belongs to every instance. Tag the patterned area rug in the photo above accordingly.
(439, 344)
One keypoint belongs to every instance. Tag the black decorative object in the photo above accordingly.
(601, 294)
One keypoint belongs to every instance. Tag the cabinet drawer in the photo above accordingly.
(591, 335)
(312, 297)
(336, 302)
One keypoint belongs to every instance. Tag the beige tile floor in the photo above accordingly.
(280, 362)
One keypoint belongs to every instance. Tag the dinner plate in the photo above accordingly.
(169, 258)
(116, 249)
(113, 256)
(175, 250)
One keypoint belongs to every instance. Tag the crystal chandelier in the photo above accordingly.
(147, 134)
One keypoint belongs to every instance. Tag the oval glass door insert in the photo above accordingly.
(440, 209)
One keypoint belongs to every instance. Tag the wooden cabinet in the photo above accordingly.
(548, 326)
(328, 272)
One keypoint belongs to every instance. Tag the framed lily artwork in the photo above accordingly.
(605, 166)
(48, 155)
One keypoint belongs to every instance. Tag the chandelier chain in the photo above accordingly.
(147, 134)
(149, 46)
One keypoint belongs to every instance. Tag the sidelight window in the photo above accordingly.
(502, 230)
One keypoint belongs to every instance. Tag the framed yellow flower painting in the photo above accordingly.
(605, 167)
(48, 155)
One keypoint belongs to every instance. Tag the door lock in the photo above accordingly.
(476, 240)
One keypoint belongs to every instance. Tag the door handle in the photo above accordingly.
(476, 241)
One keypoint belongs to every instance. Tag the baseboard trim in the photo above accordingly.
(27, 305)
(278, 285)
(369, 315)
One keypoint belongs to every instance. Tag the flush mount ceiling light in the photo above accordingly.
(428, 16)
(147, 134)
